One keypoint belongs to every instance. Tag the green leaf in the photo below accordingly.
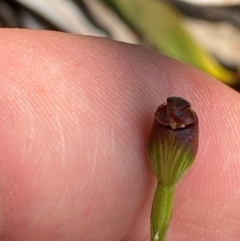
(161, 24)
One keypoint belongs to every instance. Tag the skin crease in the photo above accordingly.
(75, 117)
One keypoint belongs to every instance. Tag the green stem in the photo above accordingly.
(161, 212)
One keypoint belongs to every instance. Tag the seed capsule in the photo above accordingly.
(173, 141)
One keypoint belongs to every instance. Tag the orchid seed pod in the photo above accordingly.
(172, 149)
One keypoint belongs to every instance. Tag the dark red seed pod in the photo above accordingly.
(173, 141)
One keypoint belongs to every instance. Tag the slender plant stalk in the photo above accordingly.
(161, 211)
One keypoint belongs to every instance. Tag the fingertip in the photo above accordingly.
(92, 102)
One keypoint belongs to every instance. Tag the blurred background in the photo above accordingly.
(201, 33)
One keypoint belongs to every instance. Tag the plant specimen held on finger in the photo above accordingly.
(172, 149)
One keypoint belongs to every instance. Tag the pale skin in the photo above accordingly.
(75, 115)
